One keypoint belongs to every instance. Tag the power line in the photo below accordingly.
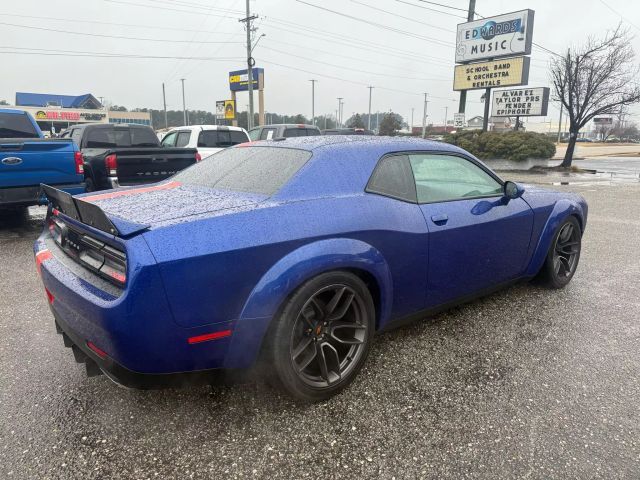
(619, 15)
(69, 32)
(352, 42)
(432, 9)
(96, 22)
(445, 6)
(80, 53)
(401, 16)
(379, 25)
(355, 69)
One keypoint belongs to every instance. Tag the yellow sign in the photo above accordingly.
(506, 72)
(229, 109)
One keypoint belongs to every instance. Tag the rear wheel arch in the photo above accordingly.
(271, 293)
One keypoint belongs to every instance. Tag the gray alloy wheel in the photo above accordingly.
(323, 336)
(564, 254)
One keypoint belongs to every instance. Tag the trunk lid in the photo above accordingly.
(167, 202)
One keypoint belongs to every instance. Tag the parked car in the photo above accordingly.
(27, 159)
(124, 155)
(208, 139)
(283, 130)
(223, 265)
(347, 131)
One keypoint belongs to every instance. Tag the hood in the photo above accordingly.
(169, 201)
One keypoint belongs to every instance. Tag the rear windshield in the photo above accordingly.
(261, 170)
(221, 138)
(300, 132)
(13, 125)
(121, 137)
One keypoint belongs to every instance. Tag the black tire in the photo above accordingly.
(309, 359)
(563, 255)
(89, 185)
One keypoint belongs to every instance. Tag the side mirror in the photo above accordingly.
(512, 190)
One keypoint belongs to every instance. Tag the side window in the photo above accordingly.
(254, 134)
(267, 133)
(170, 139)
(183, 139)
(76, 135)
(392, 177)
(440, 178)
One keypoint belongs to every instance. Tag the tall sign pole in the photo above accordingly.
(487, 101)
(463, 93)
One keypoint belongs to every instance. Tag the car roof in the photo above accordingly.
(12, 111)
(293, 125)
(366, 143)
(208, 127)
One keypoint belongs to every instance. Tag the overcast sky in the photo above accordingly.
(302, 42)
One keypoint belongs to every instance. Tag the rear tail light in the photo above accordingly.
(111, 164)
(77, 156)
(50, 296)
(198, 157)
(106, 261)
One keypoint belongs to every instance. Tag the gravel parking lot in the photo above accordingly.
(527, 383)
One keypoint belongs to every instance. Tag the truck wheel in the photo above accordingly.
(89, 185)
(322, 338)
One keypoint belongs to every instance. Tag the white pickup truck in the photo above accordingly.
(208, 139)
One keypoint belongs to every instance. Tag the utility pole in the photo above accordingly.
(487, 101)
(313, 101)
(164, 103)
(463, 93)
(424, 117)
(250, 62)
(560, 123)
(446, 115)
(339, 113)
(412, 109)
(369, 117)
(184, 105)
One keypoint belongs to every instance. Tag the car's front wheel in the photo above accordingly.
(564, 254)
(323, 336)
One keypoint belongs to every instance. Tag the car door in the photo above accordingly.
(477, 237)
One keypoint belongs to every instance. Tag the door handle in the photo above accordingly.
(440, 219)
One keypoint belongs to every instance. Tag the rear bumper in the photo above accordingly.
(31, 195)
(143, 346)
(96, 364)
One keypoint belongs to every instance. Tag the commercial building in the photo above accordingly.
(55, 113)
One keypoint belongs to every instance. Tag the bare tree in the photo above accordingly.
(597, 78)
(603, 131)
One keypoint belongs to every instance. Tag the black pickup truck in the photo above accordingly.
(122, 155)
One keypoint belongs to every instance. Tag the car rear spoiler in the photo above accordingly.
(89, 213)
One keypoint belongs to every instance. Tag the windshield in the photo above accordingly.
(261, 170)
(14, 125)
(221, 138)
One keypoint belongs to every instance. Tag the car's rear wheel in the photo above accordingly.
(564, 254)
(323, 336)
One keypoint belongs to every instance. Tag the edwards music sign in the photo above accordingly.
(505, 35)
(507, 72)
(521, 102)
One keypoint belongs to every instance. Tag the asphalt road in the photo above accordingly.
(527, 383)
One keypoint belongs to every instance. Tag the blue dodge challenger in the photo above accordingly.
(291, 253)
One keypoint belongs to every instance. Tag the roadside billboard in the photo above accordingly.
(507, 72)
(520, 102)
(226, 109)
(603, 121)
(239, 80)
(505, 35)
